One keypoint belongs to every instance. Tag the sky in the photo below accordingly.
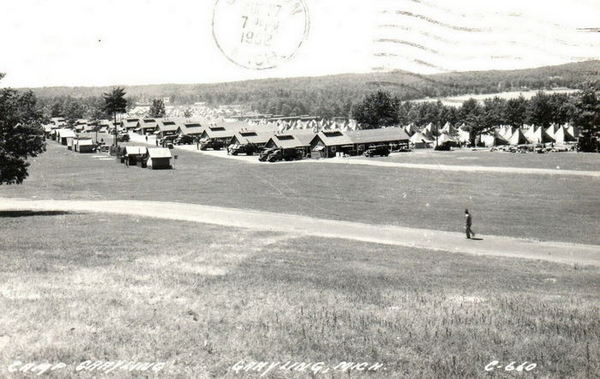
(128, 42)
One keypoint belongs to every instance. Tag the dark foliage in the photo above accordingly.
(21, 135)
(157, 109)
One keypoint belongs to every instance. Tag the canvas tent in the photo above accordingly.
(490, 140)
(448, 129)
(446, 139)
(517, 138)
(538, 135)
(420, 141)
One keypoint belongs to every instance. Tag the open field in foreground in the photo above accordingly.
(555, 208)
(201, 297)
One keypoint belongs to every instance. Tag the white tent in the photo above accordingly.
(410, 129)
(430, 130)
(517, 138)
(538, 135)
(445, 138)
(490, 140)
(571, 132)
(420, 141)
(506, 131)
(464, 135)
(448, 129)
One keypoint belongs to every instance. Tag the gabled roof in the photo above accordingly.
(66, 133)
(191, 128)
(159, 152)
(378, 135)
(147, 123)
(253, 136)
(85, 142)
(292, 140)
(135, 150)
(130, 123)
(225, 129)
(334, 138)
(167, 125)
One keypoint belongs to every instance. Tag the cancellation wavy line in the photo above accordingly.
(475, 42)
(495, 44)
(423, 62)
(439, 67)
(463, 56)
(420, 76)
(470, 13)
(427, 61)
(470, 29)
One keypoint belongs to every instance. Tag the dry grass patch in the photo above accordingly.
(203, 297)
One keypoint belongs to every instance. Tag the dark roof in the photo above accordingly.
(293, 139)
(334, 138)
(253, 136)
(377, 135)
(167, 126)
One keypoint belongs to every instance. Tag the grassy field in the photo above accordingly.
(558, 161)
(540, 207)
(85, 287)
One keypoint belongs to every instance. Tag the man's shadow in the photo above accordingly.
(477, 238)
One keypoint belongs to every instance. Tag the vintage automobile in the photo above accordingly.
(184, 140)
(123, 137)
(381, 150)
(265, 154)
(236, 148)
(287, 154)
(211, 144)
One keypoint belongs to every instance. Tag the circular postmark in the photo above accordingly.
(260, 34)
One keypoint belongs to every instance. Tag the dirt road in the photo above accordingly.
(302, 225)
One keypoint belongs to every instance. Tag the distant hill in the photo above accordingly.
(334, 95)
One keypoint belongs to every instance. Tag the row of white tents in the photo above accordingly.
(502, 135)
(531, 134)
(283, 125)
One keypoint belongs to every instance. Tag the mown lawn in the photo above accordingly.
(555, 208)
(555, 161)
(78, 287)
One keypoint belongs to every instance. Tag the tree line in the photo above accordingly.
(581, 109)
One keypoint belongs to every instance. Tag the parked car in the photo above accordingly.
(275, 156)
(211, 144)
(184, 140)
(166, 141)
(236, 148)
(265, 154)
(123, 137)
(381, 150)
(443, 147)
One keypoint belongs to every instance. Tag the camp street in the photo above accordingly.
(561, 252)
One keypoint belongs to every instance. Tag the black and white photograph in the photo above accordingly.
(300, 189)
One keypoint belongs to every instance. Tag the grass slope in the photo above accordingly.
(540, 207)
(202, 297)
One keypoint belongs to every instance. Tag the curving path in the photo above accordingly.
(302, 225)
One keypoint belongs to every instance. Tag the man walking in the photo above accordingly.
(468, 222)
